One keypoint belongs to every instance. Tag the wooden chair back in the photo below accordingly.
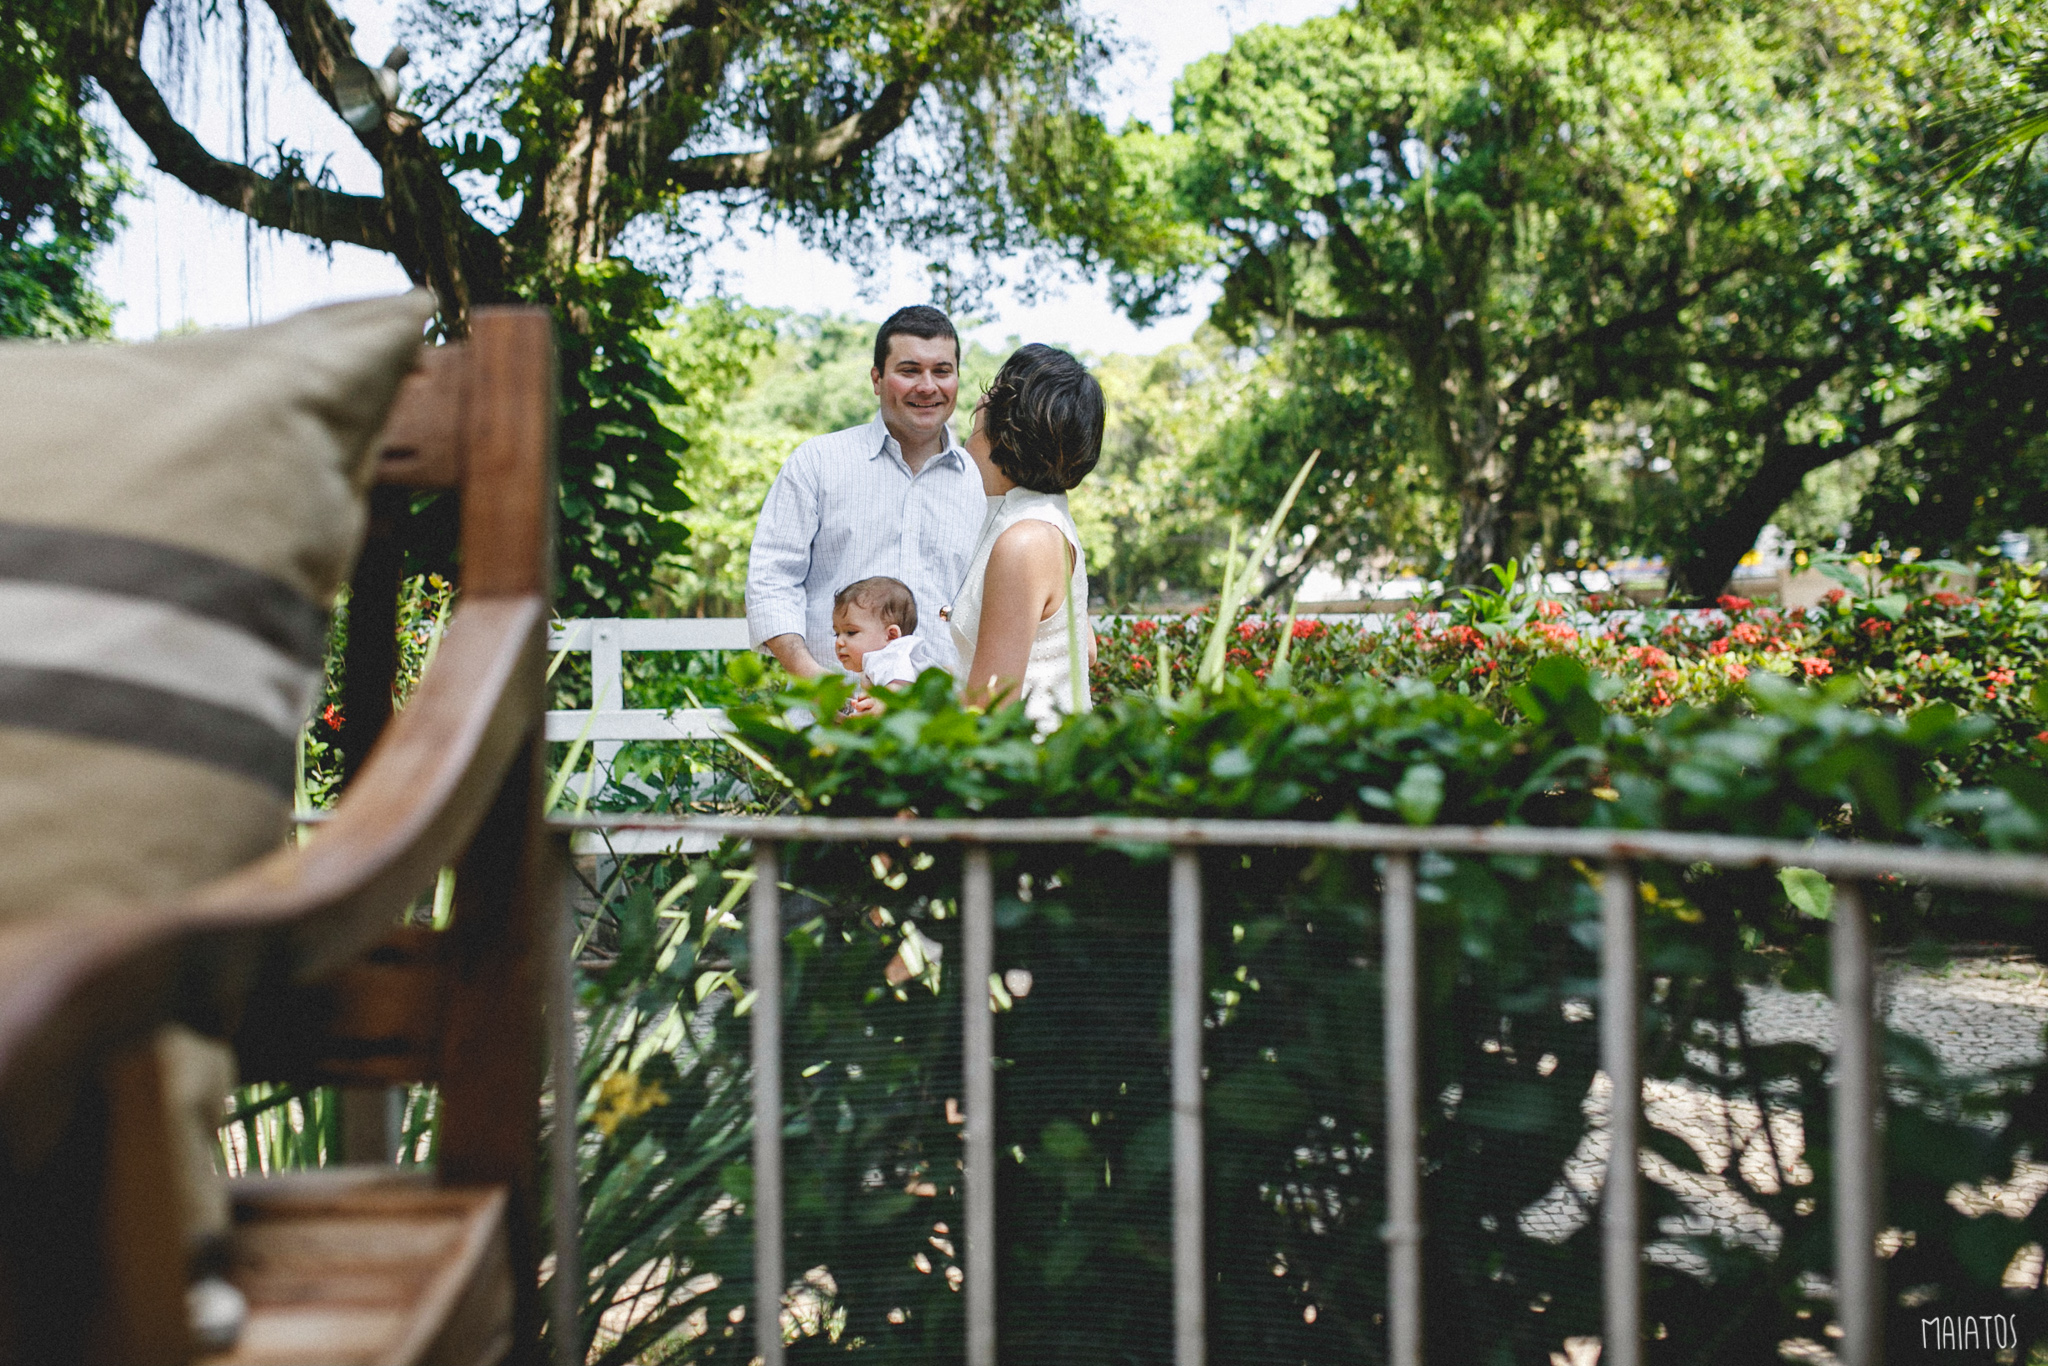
(300, 958)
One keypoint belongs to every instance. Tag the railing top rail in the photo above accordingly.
(2017, 873)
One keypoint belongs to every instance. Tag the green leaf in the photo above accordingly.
(1232, 764)
(1809, 891)
(1420, 794)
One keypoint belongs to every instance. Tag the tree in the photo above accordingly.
(59, 181)
(1627, 278)
(542, 136)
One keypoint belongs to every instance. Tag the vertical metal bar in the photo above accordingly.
(566, 1204)
(1190, 1279)
(1404, 1116)
(1621, 1202)
(764, 943)
(1859, 1282)
(978, 1180)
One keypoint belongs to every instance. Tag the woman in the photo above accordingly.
(1021, 619)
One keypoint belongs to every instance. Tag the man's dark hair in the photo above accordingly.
(890, 599)
(918, 320)
(1043, 414)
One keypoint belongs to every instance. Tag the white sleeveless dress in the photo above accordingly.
(1049, 676)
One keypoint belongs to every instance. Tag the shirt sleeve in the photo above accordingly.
(781, 557)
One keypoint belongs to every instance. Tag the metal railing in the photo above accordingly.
(1857, 1169)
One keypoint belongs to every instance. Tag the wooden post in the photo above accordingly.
(492, 1046)
(141, 1321)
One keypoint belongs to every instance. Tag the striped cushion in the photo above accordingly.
(175, 519)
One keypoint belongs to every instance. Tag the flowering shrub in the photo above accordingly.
(1984, 653)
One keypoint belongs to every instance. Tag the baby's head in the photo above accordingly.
(868, 615)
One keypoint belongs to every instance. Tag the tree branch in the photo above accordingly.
(694, 14)
(288, 202)
(851, 137)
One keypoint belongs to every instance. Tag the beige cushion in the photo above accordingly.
(175, 519)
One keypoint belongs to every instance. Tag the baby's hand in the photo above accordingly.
(863, 706)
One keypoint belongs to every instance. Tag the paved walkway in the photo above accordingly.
(1977, 1013)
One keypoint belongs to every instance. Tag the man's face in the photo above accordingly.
(920, 383)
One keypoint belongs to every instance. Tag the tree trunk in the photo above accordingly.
(1701, 568)
(576, 217)
(1472, 432)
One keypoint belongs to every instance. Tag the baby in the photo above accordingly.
(873, 625)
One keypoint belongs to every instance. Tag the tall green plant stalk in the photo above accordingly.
(1237, 574)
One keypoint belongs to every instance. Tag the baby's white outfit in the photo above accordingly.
(900, 661)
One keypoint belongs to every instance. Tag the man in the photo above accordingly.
(896, 496)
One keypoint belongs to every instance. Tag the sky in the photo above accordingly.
(183, 260)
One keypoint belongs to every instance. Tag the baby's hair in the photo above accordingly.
(890, 599)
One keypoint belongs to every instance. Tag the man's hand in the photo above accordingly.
(795, 656)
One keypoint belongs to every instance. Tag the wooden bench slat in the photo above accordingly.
(361, 1266)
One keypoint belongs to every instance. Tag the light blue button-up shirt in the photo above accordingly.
(846, 507)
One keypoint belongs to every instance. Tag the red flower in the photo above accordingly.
(1874, 626)
(332, 717)
(1833, 596)
(1946, 598)
(1649, 656)
(1728, 602)
(1549, 608)
(1144, 628)
(1140, 662)
(1748, 632)
(1660, 698)
(1815, 668)
(2042, 738)
(1304, 629)
(1737, 670)
(1718, 647)
(1247, 629)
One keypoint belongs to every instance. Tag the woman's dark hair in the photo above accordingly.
(1043, 416)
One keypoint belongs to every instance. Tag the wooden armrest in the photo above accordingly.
(73, 986)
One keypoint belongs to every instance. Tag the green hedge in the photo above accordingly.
(1293, 1048)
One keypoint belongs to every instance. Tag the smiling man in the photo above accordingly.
(896, 496)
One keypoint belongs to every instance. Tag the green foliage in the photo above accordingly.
(1606, 286)
(620, 499)
(59, 180)
(1292, 1046)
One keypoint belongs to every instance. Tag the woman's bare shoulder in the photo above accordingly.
(1027, 541)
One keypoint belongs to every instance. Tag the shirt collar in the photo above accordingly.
(881, 443)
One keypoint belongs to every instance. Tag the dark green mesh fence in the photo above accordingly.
(1737, 1209)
